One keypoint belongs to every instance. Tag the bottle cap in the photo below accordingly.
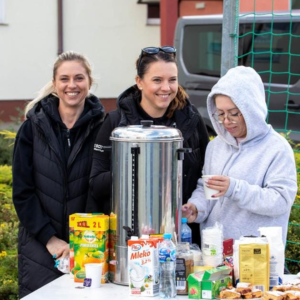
(134, 238)
(184, 220)
(167, 236)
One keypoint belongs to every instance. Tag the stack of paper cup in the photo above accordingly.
(212, 246)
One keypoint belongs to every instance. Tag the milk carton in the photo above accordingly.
(143, 266)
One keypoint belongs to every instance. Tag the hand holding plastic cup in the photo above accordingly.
(94, 272)
(208, 191)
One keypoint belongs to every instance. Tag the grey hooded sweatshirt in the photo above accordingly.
(261, 167)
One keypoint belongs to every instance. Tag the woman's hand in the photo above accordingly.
(58, 247)
(218, 182)
(189, 211)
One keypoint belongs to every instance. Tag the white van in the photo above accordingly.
(198, 43)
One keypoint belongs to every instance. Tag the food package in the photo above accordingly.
(184, 267)
(252, 261)
(274, 236)
(90, 243)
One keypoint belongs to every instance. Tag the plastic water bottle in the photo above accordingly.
(186, 232)
(167, 260)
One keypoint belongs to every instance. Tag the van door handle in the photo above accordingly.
(292, 105)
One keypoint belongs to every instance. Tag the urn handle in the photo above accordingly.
(135, 151)
(181, 151)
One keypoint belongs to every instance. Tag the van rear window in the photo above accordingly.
(202, 49)
(271, 49)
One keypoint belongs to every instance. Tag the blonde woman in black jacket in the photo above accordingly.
(51, 166)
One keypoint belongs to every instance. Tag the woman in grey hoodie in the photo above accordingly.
(253, 166)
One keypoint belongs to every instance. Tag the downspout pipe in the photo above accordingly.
(60, 49)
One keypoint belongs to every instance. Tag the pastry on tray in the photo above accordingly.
(229, 294)
(273, 295)
(282, 288)
(291, 295)
(256, 293)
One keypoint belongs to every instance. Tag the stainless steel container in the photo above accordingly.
(146, 185)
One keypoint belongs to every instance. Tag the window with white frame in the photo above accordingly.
(153, 14)
(2, 11)
(153, 11)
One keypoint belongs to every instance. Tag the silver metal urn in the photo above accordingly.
(146, 186)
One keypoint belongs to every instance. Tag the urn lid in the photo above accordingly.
(146, 132)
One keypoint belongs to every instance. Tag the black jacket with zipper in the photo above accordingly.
(129, 112)
(51, 168)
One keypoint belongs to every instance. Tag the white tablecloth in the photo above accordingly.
(64, 288)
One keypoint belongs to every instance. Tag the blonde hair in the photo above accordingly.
(49, 87)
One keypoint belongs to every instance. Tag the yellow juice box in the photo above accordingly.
(90, 242)
(72, 219)
(112, 244)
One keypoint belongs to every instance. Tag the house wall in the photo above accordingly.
(192, 7)
(110, 33)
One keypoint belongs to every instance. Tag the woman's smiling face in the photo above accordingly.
(159, 87)
(72, 84)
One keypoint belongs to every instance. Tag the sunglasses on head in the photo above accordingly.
(155, 50)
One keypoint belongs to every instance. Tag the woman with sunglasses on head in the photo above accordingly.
(156, 96)
(253, 166)
(51, 165)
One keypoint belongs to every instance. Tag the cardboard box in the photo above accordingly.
(228, 247)
(209, 283)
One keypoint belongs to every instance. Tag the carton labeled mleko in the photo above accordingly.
(209, 283)
(143, 267)
(90, 243)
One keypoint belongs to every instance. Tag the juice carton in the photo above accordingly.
(214, 281)
(143, 267)
(112, 245)
(194, 281)
(72, 219)
(90, 243)
(208, 283)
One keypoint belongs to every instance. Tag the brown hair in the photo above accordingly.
(49, 88)
(142, 65)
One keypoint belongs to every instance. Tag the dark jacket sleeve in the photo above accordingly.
(100, 178)
(193, 162)
(27, 204)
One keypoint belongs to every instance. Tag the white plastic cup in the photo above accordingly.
(94, 271)
(208, 191)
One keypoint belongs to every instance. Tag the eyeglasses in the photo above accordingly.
(233, 118)
(155, 50)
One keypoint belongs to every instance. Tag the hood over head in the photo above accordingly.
(245, 88)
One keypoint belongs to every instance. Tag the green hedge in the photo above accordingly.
(292, 252)
(8, 238)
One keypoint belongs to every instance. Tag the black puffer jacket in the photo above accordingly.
(51, 168)
(129, 112)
